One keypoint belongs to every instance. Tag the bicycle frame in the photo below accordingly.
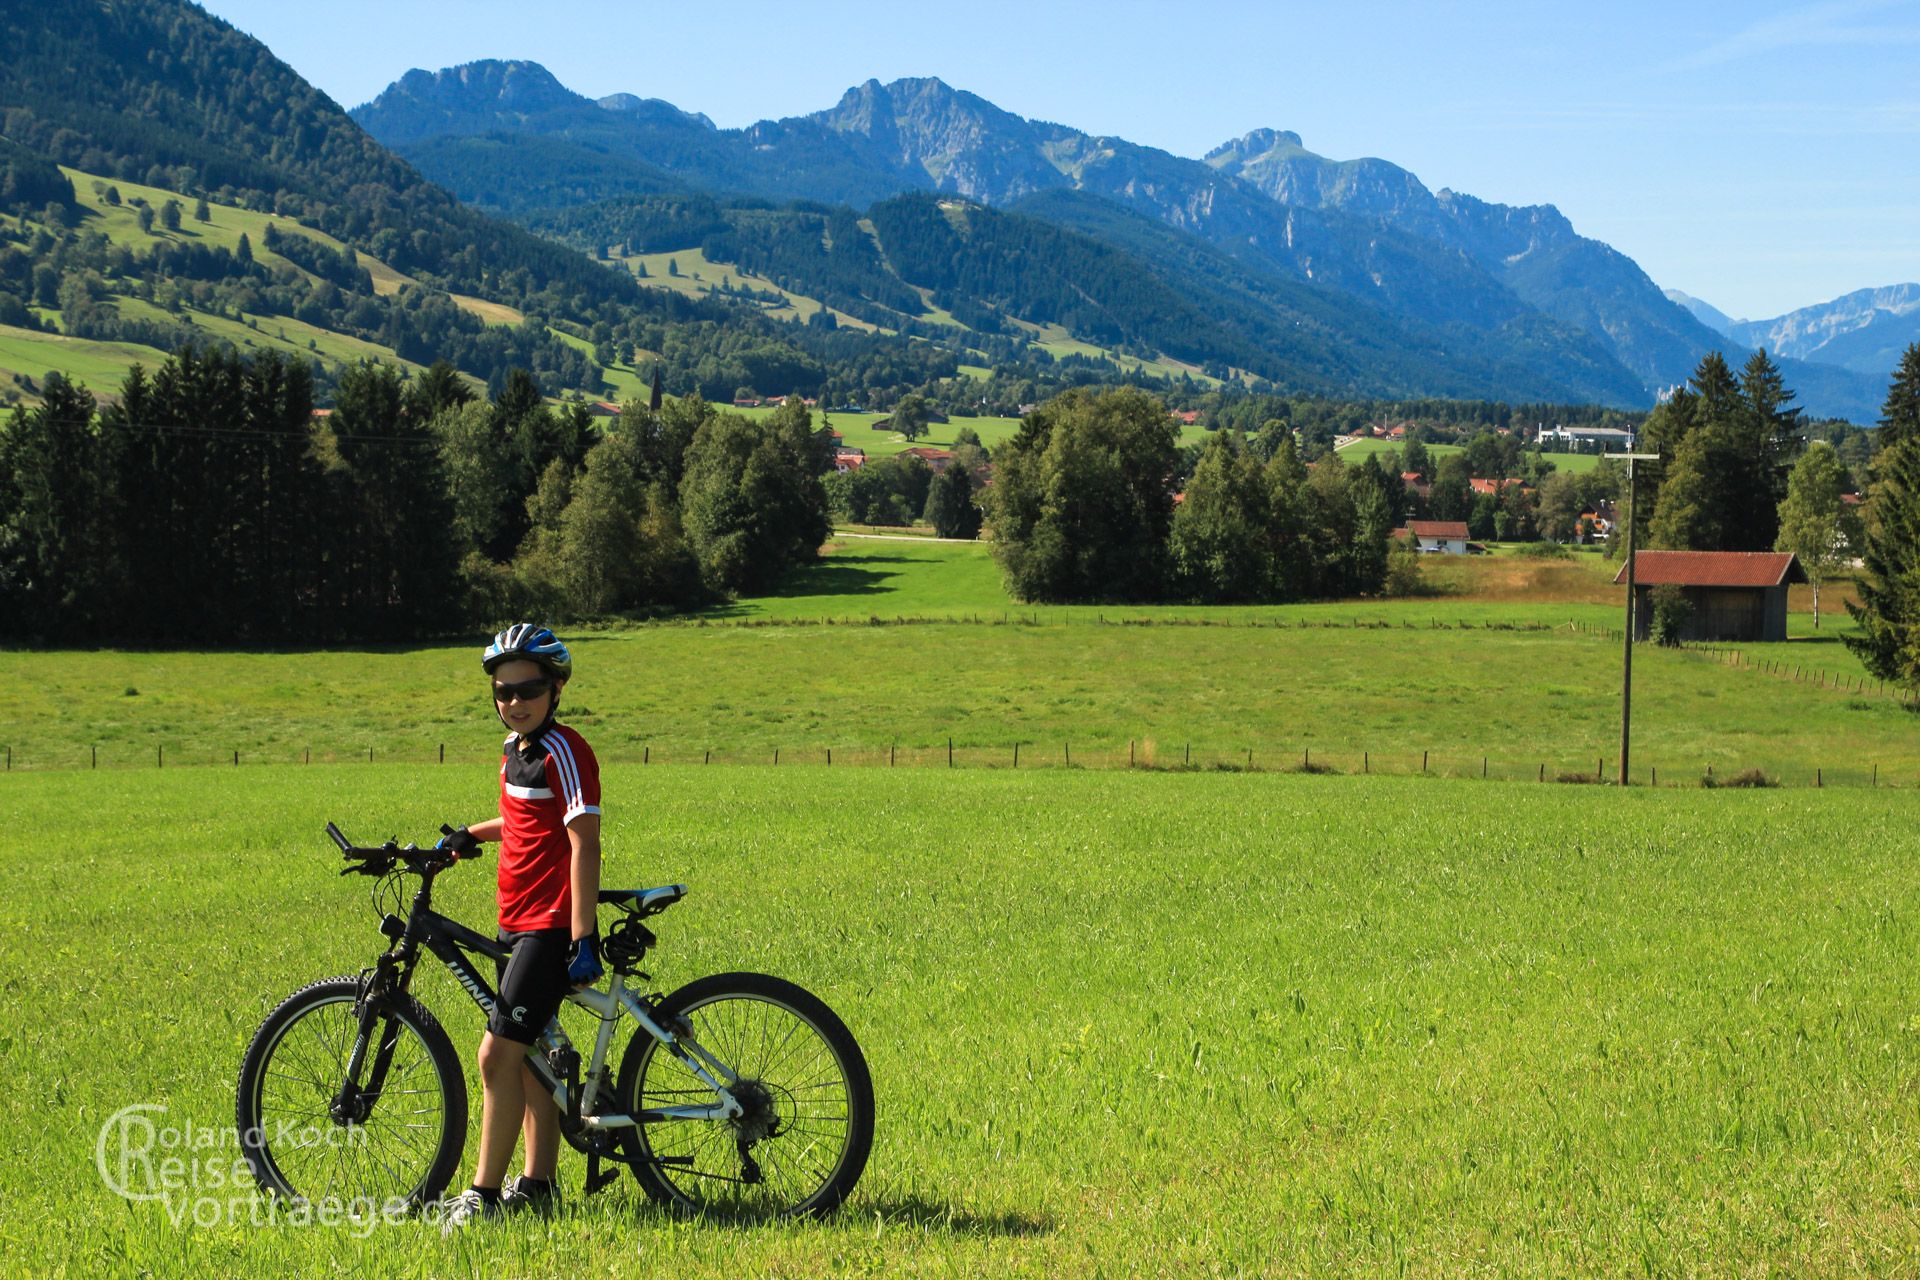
(454, 945)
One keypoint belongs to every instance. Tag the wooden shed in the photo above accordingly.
(1736, 595)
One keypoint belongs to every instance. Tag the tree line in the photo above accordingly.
(1084, 509)
(210, 505)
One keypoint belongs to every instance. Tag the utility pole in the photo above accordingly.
(1626, 648)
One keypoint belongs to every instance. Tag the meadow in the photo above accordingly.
(1360, 450)
(1173, 1024)
(892, 647)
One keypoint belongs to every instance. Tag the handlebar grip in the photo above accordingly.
(339, 838)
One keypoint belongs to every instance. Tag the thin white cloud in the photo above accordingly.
(1830, 25)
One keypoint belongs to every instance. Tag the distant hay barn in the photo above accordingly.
(1735, 595)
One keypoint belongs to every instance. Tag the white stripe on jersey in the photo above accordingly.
(529, 793)
(569, 771)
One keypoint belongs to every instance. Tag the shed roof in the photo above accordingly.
(1438, 528)
(1714, 569)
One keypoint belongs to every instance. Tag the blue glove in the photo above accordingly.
(583, 961)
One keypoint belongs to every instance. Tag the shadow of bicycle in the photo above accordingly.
(907, 1213)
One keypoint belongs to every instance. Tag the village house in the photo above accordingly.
(1733, 595)
(938, 459)
(1446, 537)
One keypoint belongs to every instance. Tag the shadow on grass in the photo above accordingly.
(931, 1215)
(901, 1212)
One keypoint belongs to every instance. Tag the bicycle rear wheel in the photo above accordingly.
(381, 1151)
(808, 1127)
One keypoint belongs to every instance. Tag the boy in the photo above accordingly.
(549, 886)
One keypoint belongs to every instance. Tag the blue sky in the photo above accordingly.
(1761, 156)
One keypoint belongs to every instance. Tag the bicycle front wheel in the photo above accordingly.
(392, 1141)
(808, 1127)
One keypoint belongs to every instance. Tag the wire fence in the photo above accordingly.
(1149, 755)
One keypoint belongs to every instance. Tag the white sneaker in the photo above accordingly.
(540, 1199)
(465, 1208)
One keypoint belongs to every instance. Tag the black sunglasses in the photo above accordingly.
(526, 690)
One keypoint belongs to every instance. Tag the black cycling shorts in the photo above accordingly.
(533, 982)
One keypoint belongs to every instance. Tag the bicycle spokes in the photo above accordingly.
(796, 1100)
(340, 1142)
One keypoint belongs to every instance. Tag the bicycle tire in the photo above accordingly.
(737, 1017)
(292, 1068)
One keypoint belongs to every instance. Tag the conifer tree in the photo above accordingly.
(1889, 609)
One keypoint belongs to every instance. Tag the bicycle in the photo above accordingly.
(740, 1094)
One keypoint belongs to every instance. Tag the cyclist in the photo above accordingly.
(549, 886)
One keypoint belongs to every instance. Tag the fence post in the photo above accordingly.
(1817, 780)
(1483, 766)
(1876, 775)
(1188, 757)
(1016, 755)
(1306, 757)
(1543, 772)
(236, 759)
(309, 759)
(949, 753)
(829, 756)
(1067, 749)
(1600, 771)
(890, 750)
(646, 755)
(369, 755)
(1129, 753)
(709, 759)
(443, 753)
(96, 757)
(159, 757)
(1423, 762)
(1366, 762)
(776, 755)
(1655, 773)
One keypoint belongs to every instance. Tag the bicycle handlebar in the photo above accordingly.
(380, 860)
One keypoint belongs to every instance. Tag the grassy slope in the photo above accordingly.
(102, 365)
(1132, 1024)
(699, 278)
(1449, 676)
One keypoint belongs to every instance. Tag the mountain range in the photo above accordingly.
(1513, 298)
(1865, 330)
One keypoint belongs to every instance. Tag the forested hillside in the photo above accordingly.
(187, 144)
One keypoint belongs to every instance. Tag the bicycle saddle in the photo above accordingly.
(645, 901)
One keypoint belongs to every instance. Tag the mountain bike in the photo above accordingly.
(740, 1094)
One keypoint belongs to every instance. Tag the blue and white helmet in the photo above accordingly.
(535, 644)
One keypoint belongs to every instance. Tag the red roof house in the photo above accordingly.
(935, 458)
(1449, 536)
(1733, 595)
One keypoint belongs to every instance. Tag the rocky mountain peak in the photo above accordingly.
(424, 104)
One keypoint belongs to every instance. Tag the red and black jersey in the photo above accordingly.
(546, 781)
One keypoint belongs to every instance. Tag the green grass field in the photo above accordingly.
(100, 365)
(1118, 1023)
(1360, 450)
(899, 644)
